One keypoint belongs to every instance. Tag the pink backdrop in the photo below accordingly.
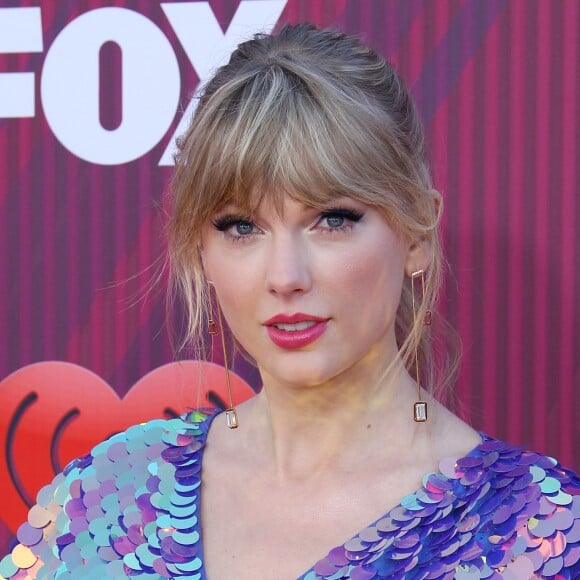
(81, 216)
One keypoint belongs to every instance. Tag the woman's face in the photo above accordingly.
(310, 294)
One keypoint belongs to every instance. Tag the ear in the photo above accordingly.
(420, 251)
(419, 256)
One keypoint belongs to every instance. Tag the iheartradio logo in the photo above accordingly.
(52, 412)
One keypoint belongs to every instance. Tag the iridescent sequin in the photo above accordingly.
(128, 509)
(498, 512)
(131, 509)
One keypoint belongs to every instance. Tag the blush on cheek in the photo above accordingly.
(374, 283)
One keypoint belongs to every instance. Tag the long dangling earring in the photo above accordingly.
(420, 407)
(214, 329)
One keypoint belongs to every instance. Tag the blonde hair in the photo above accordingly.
(311, 114)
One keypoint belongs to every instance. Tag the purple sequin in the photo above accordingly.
(131, 507)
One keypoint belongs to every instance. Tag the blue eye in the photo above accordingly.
(244, 228)
(235, 227)
(339, 218)
(335, 221)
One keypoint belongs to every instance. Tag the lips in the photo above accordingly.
(291, 331)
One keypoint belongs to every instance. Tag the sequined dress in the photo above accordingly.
(131, 509)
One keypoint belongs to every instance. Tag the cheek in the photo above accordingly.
(232, 296)
(221, 267)
(236, 292)
(371, 283)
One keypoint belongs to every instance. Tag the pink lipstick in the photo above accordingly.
(295, 330)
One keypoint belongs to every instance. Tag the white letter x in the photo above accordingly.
(207, 47)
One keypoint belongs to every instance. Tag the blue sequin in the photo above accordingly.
(131, 509)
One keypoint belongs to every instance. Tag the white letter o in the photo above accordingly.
(150, 86)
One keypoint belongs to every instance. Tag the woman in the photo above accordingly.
(304, 212)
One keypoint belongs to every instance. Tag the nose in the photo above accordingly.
(288, 268)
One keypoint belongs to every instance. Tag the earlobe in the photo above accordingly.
(419, 257)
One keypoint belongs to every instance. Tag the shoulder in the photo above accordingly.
(104, 506)
(528, 510)
(498, 512)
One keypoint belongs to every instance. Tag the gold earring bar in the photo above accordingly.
(231, 414)
(420, 407)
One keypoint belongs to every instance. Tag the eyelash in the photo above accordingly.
(223, 224)
(351, 216)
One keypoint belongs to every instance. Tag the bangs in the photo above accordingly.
(279, 132)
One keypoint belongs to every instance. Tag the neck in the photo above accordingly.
(303, 431)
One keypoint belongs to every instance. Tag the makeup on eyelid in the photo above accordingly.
(245, 225)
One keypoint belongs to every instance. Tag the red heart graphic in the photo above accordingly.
(52, 412)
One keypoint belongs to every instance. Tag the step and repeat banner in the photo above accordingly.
(92, 97)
